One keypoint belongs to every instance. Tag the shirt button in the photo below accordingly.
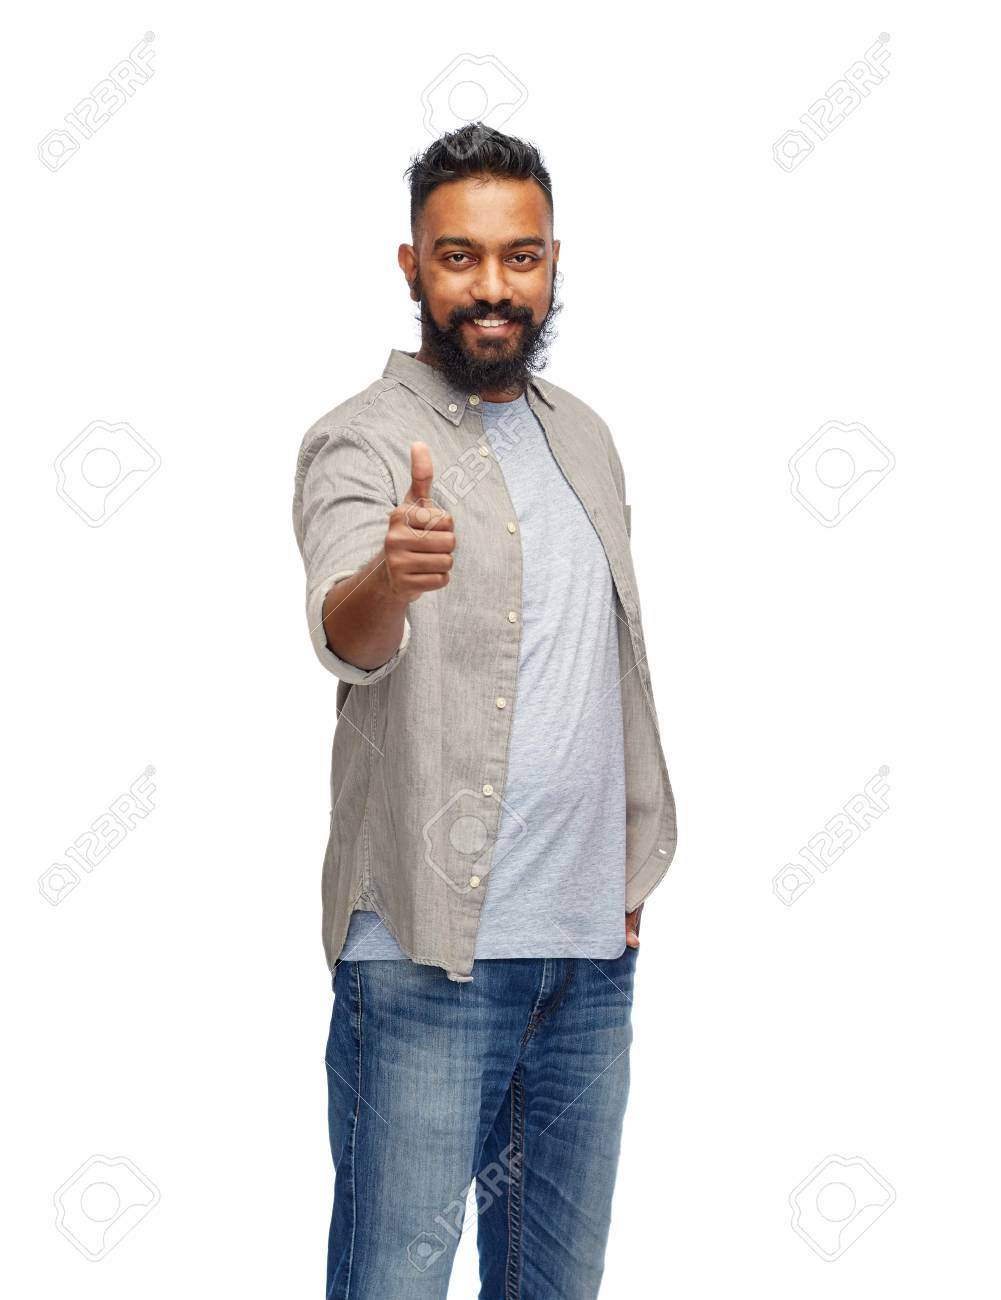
(452, 406)
(474, 400)
(488, 789)
(512, 617)
(484, 451)
(511, 525)
(474, 881)
(500, 701)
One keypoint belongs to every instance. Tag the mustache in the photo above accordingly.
(499, 313)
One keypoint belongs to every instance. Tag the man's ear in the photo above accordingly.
(407, 260)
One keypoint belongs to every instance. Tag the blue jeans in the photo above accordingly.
(518, 1079)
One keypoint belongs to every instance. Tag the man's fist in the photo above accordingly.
(421, 538)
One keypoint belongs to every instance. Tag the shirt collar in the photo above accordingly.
(444, 396)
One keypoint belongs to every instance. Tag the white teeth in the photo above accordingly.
(490, 324)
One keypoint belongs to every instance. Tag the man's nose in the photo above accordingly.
(490, 285)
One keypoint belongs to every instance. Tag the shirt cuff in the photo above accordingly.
(347, 672)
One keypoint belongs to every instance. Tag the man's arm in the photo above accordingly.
(362, 621)
(358, 615)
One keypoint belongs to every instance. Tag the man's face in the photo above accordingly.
(485, 252)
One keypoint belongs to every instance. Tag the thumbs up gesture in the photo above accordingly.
(421, 537)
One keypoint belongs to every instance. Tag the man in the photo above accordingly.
(501, 806)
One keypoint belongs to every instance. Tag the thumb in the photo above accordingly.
(421, 472)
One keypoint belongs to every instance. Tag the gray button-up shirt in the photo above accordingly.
(421, 744)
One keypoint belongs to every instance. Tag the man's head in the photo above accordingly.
(481, 218)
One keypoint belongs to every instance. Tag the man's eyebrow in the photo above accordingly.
(460, 241)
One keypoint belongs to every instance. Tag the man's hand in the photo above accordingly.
(633, 927)
(421, 536)
(364, 614)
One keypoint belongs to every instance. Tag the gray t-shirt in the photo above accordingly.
(563, 811)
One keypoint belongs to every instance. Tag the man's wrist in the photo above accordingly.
(379, 575)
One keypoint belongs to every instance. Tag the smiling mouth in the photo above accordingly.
(489, 326)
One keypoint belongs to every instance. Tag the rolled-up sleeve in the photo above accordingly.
(343, 498)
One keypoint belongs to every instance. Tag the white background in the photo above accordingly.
(217, 267)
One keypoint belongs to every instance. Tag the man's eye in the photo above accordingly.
(527, 256)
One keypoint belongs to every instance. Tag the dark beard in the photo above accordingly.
(492, 369)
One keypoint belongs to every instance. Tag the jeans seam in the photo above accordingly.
(512, 1272)
(560, 994)
(530, 1027)
(354, 1127)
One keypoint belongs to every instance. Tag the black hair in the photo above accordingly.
(473, 150)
